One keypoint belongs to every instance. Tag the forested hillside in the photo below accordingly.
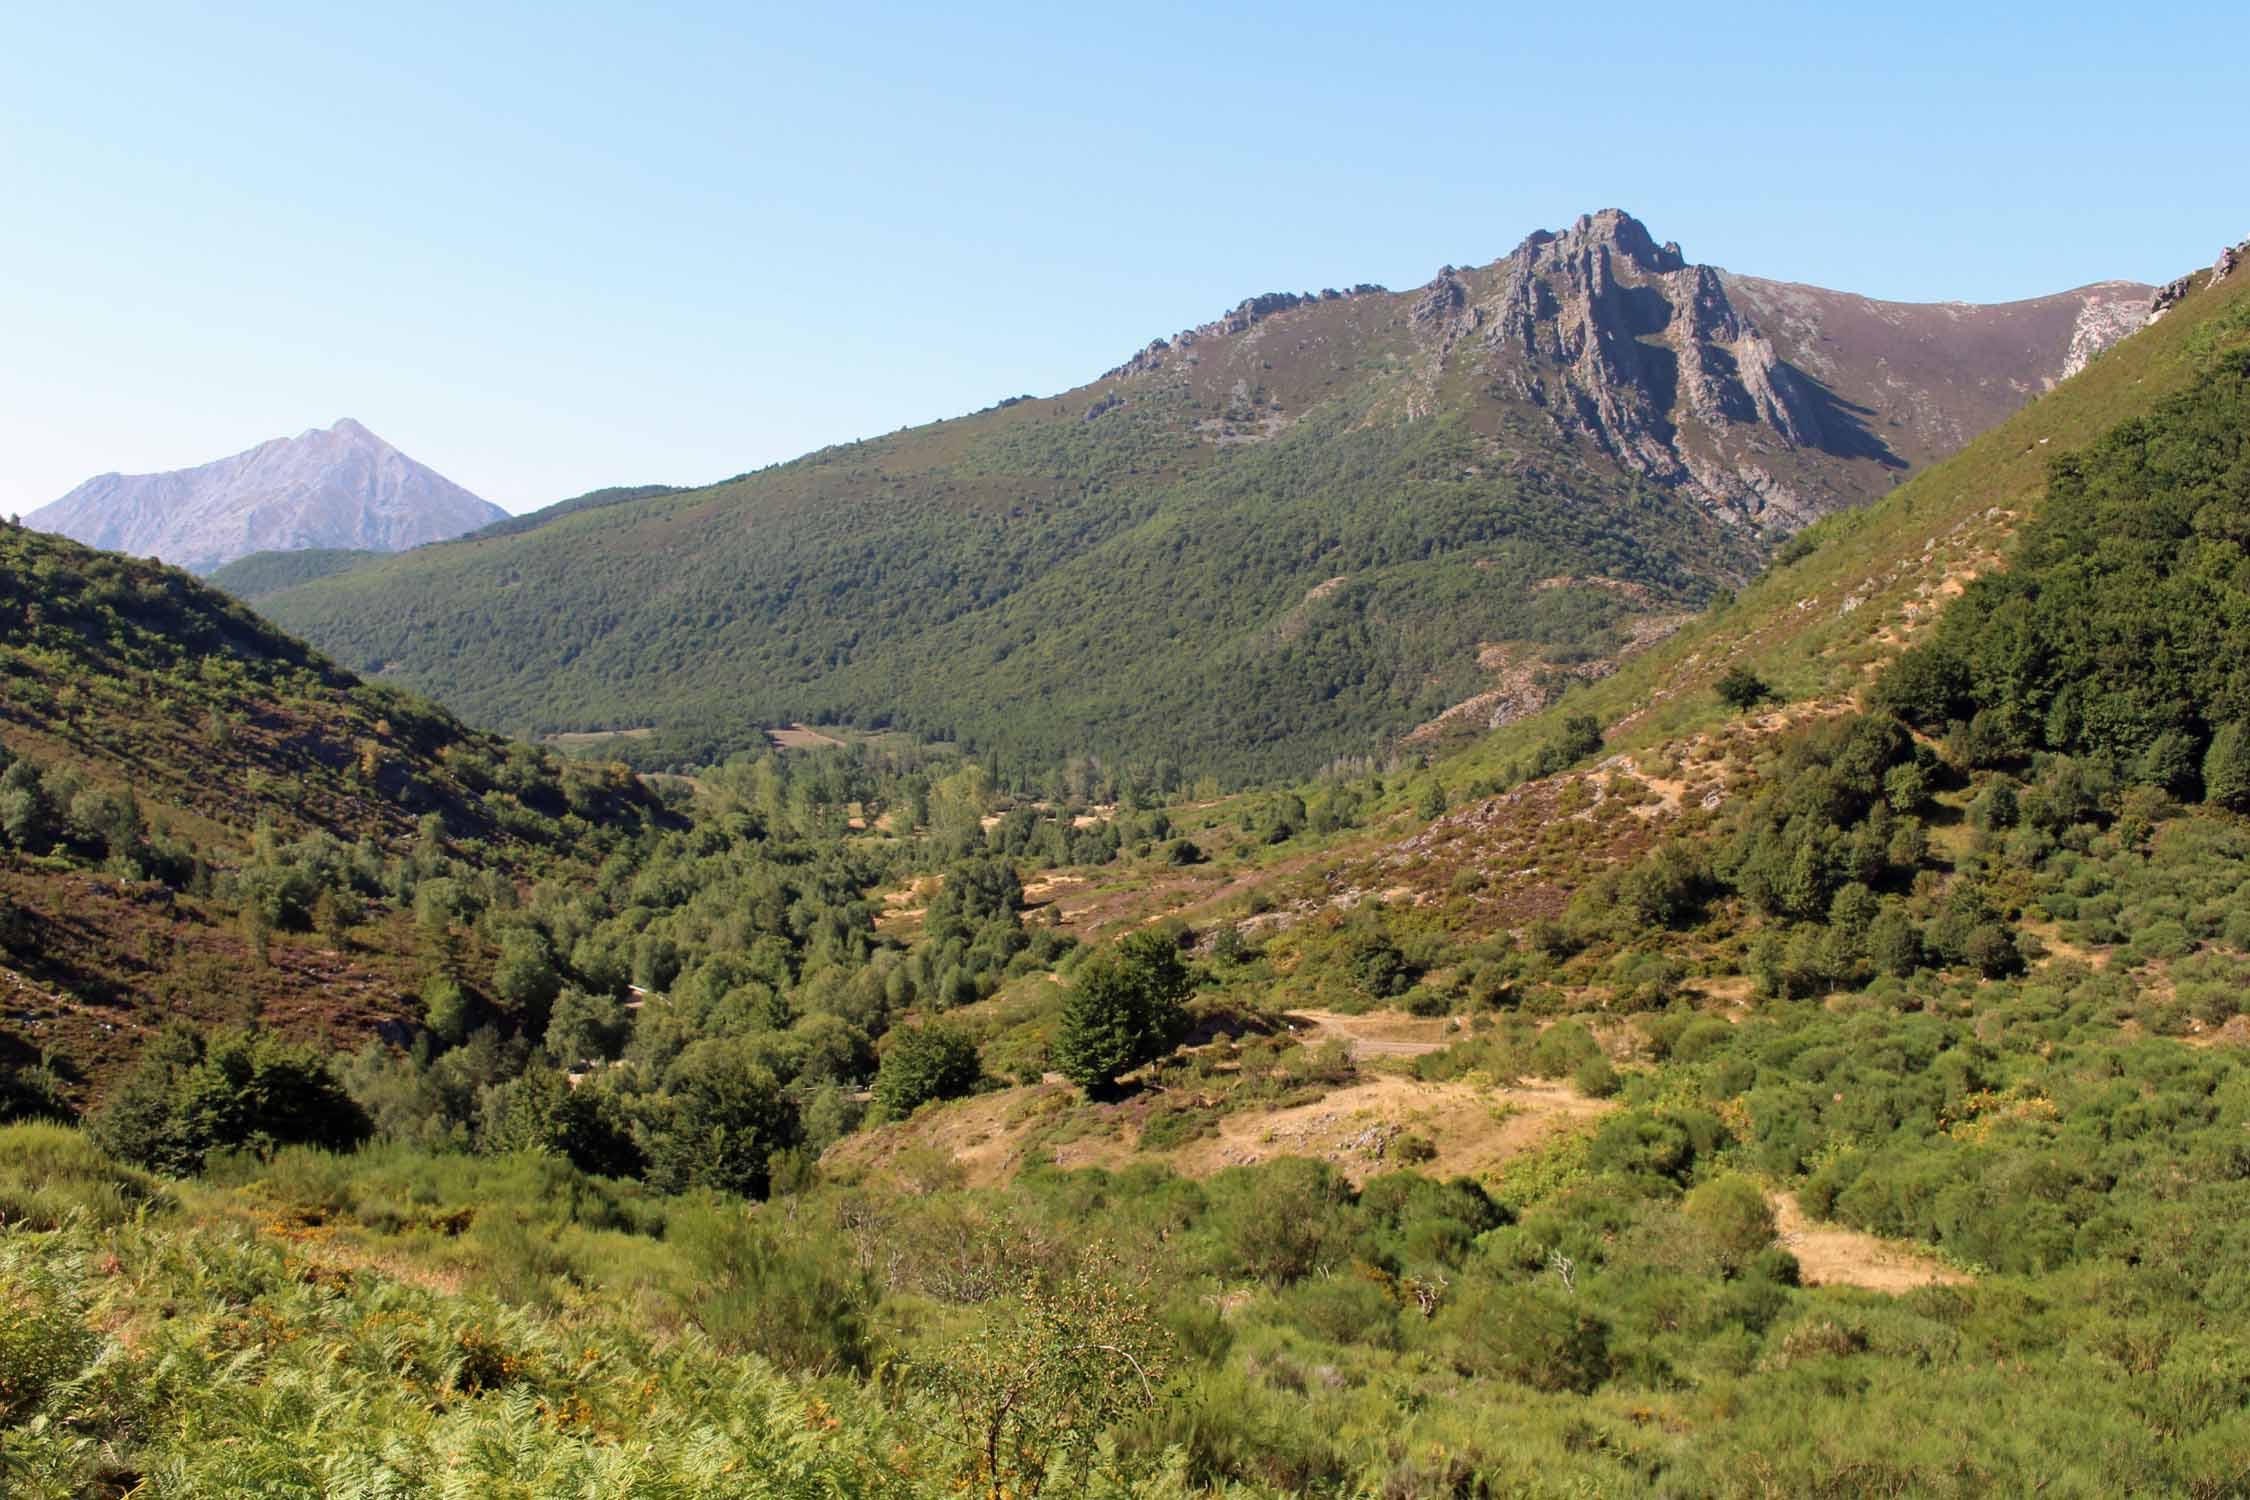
(1278, 539)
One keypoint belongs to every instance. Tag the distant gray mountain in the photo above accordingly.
(336, 487)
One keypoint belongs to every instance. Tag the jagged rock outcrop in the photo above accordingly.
(2168, 296)
(1764, 403)
(340, 486)
(1623, 343)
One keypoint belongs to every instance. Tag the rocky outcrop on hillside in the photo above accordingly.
(1622, 343)
(1241, 318)
(1763, 403)
(2169, 295)
(340, 487)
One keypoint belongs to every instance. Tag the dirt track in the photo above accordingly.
(1380, 1035)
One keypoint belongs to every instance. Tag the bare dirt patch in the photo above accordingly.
(1828, 1255)
(984, 1135)
(802, 737)
(1376, 1034)
(1474, 1130)
(598, 736)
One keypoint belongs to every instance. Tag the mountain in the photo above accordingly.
(1266, 542)
(336, 487)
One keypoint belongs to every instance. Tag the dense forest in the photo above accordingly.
(1057, 586)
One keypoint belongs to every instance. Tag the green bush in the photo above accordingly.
(1535, 1336)
(189, 1095)
(925, 1063)
(1733, 1214)
(779, 1292)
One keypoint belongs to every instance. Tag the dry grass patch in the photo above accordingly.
(1830, 1255)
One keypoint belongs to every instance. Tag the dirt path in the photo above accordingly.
(1830, 1255)
(1380, 1034)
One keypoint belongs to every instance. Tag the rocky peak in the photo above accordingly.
(337, 486)
(1767, 403)
(1624, 343)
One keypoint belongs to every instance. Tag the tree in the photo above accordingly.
(448, 1010)
(1379, 968)
(189, 1095)
(1743, 689)
(525, 979)
(1032, 1391)
(584, 1025)
(2226, 767)
(718, 1121)
(924, 1063)
(1123, 1010)
(541, 1112)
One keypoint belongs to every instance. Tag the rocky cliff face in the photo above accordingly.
(340, 486)
(1762, 402)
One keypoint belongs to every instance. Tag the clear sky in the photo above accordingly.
(548, 248)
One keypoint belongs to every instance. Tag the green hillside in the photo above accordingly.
(1280, 540)
(261, 573)
(203, 819)
(1047, 587)
(1878, 1133)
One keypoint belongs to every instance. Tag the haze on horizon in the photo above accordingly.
(543, 253)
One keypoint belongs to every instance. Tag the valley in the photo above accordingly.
(1600, 878)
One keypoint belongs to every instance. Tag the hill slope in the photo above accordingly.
(1261, 544)
(338, 487)
(201, 818)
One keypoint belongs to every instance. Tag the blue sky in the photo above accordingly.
(549, 248)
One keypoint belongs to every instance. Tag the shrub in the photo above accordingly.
(189, 1095)
(1595, 1077)
(773, 1291)
(1529, 1334)
(1733, 1214)
(935, 1061)
(1378, 967)
(1743, 689)
(1283, 1221)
